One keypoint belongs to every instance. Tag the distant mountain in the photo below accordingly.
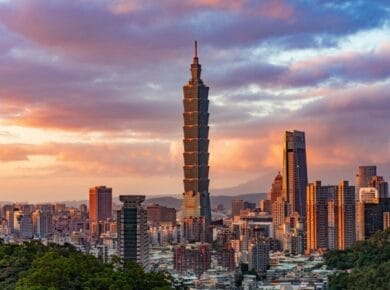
(225, 200)
(217, 196)
(259, 184)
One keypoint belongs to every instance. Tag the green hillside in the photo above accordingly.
(32, 265)
(366, 265)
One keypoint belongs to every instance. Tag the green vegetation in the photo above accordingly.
(368, 263)
(32, 265)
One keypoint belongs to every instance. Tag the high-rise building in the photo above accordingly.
(9, 216)
(195, 258)
(369, 214)
(196, 143)
(42, 223)
(237, 205)
(194, 229)
(363, 177)
(259, 255)
(100, 203)
(158, 214)
(332, 234)
(276, 188)
(280, 210)
(295, 171)
(133, 240)
(265, 205)
(345, 215)
(226, 257)
(381, 185)
(317, 215)
(26, 226)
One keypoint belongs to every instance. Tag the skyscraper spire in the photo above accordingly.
(196, 68)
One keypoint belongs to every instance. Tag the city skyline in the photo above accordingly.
(92, 101)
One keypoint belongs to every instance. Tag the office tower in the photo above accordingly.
(100, 203)
(369, 213)
(276, 188)
(133, 240)
(297, 242)
(332, 234)
(259, 255)
(83, 211)
(265, 205)
(9, 216)
(226, 257)
(194, 229)
(280, 210)
(42, 223)
(158, 214)
(237, 205)
(194, 258)
(363, 177)
(26, 226)
(345, 215)
(17, 216)
(295, 171)
(381, 185)
(196, 143)
(317, 215)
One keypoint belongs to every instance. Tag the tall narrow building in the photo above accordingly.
(100, 203)
(363, 176)
(196, 201)
(317, 215)
(295, 171)
(133, 239)
(276, 188)
(345, 218)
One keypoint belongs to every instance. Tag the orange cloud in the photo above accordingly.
(276, 9)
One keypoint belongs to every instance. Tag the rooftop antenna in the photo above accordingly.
(196, 48)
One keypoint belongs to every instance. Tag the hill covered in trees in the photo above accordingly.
(32, 265)
(367, 262)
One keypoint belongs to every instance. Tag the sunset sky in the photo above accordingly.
(91, 91)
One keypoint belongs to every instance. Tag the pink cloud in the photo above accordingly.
(276, 9)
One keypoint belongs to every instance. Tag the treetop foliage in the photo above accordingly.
(32, 265)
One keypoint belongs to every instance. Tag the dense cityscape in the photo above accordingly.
(277, 242)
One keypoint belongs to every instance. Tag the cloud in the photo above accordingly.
(114, 69)
(95, 159)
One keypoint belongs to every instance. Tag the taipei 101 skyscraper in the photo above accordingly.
(196, 199)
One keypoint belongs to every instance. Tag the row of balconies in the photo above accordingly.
(196, 118)
(196, 158)
(196, 131)
(198, 92)
(196, 145)
(196, 171)
(196, 185)
(196, 105)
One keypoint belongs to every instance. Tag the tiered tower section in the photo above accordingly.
(196, 143)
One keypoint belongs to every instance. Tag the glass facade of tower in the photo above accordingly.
(133, 239)
(196, 156)
(295, 171)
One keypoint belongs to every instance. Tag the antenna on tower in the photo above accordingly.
(196, 48)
